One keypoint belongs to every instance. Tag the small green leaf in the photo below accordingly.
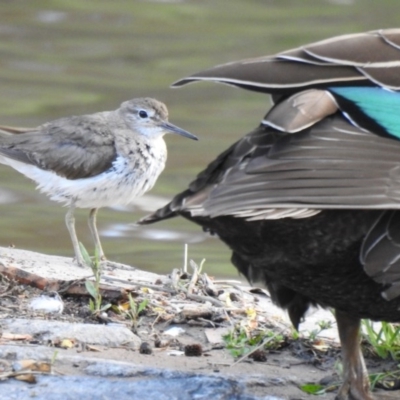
(85, 255)
(97, 255)
(142, 305)
(105, 307)
(132, 304)
(90, 287)
(54, 357)
(313, 388)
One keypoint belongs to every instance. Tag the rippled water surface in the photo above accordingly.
(60, 58)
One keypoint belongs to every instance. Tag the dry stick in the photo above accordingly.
(168, 290)
(207, 321)
(9, 308)
(185, 257)
(258, 347)
(210, 285)
(197, 297)
(149, 285)
(111, 265)
(175, 277)
(7, 292)
(229, 282)
(192, 283)
(13, 374)
(155, 321)
(194, 278)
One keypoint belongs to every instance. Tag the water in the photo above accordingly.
(62, 58)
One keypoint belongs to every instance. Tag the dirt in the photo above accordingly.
(280, 371)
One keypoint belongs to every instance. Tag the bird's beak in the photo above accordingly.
(175, 129)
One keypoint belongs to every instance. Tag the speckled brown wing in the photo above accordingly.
(75, 147)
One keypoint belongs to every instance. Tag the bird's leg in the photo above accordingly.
(95, 233)
(70, 222)
(355, 377)
(96, 238)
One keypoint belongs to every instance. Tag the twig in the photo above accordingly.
(23, 372)
(197, 297)
(194, 278)
(175, 277)
(145, 284)
(264, 342)
(185, 257)
(207, 321)
(155, 321)
(229, 282)
(6, 292)
(210, 285)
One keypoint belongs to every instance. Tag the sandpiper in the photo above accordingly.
(92, 161)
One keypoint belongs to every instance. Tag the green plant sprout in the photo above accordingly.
(239, 342)
(133, 313)
(93, 287)
(383, 337)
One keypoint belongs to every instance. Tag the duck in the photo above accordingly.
(309, 200)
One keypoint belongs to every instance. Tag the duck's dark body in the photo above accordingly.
(308, 261)
(309, 201)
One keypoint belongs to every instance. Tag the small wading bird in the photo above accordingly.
(309, 201)
(93, 161)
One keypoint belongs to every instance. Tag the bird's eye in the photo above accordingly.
(143, 114)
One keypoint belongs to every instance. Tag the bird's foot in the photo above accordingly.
(85, 263)
(104, 264)
(355, 389)
(80, 262)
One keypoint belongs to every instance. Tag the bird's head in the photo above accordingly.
(149, 118)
